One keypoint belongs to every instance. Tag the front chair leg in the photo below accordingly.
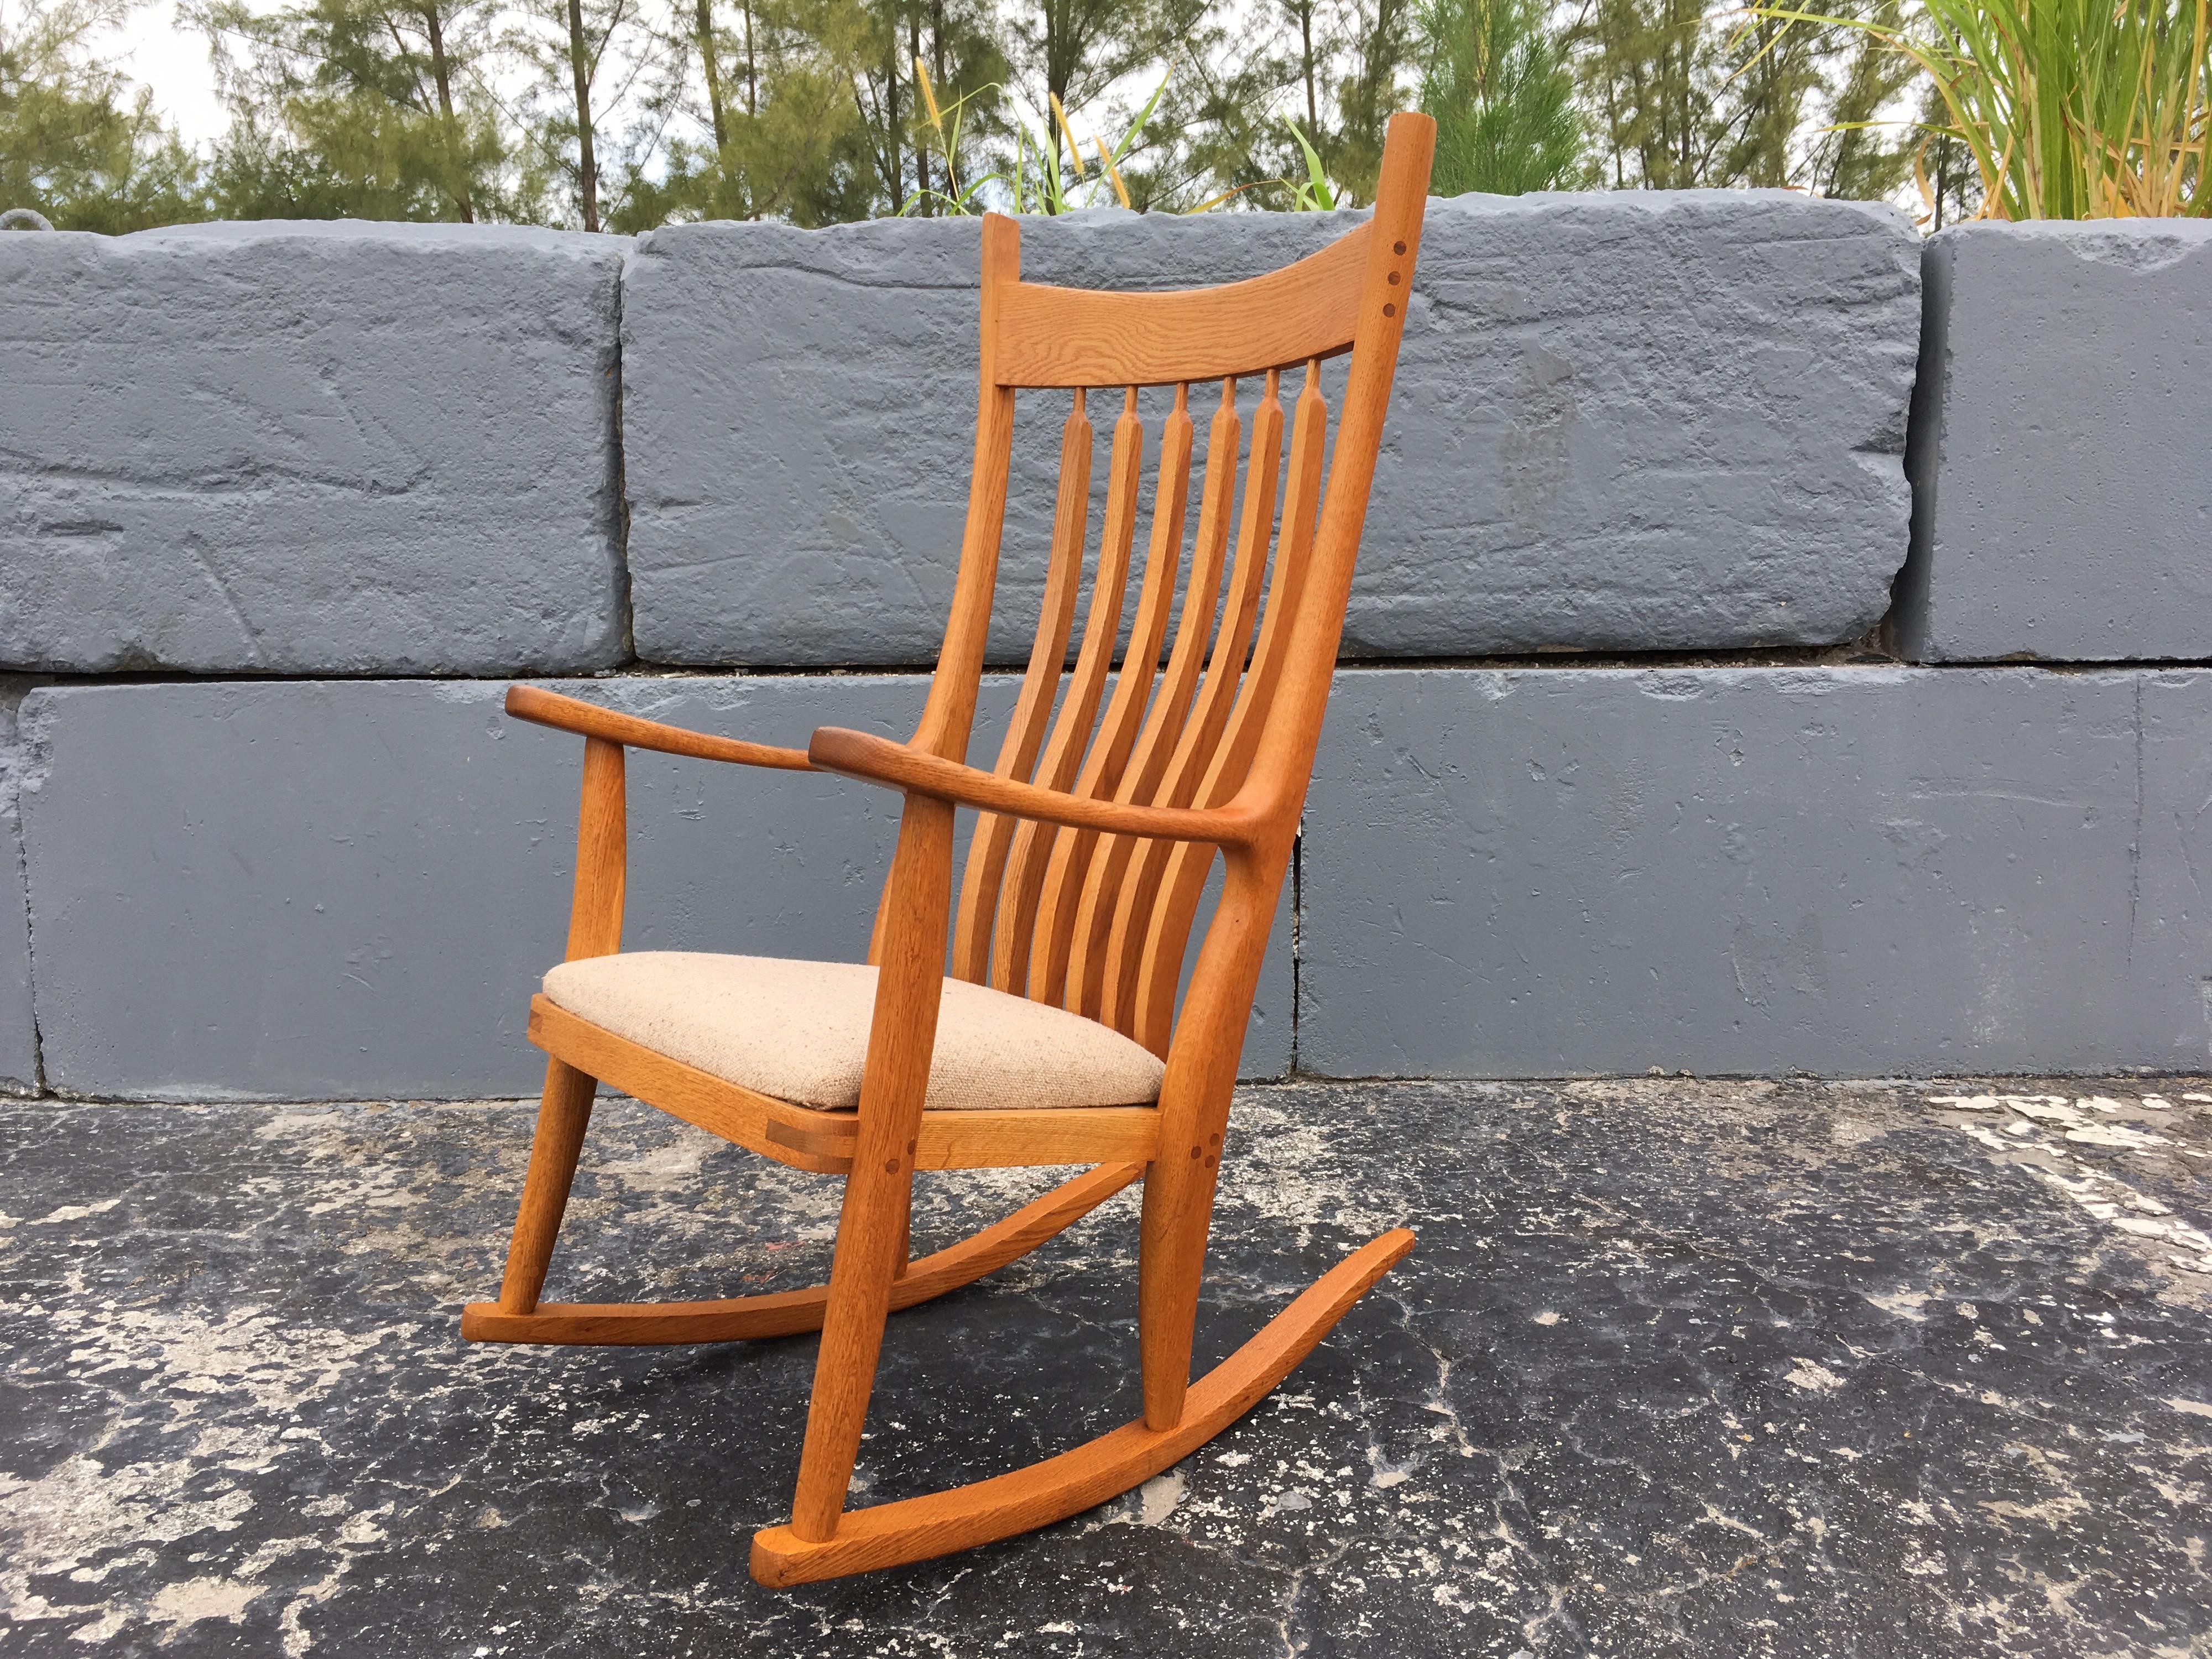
(562, 1117)
(872, 1237)
(872, 1227)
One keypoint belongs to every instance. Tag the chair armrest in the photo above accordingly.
(879, 760)
(528, 702)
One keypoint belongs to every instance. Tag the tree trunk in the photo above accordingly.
(587, 165)
(922, 146)
(895, 174)
(937, 63)
(441, 71)
(714, 73)
(752, 72)
(1305, 39)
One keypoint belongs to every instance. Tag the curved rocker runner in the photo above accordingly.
(1055, 1038)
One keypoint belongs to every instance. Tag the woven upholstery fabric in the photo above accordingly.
(798, 1031)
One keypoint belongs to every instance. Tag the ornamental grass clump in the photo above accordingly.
(2072, 109)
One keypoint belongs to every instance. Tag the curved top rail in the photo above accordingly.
(1070, 336)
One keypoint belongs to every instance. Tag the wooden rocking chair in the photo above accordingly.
(1055, 1039)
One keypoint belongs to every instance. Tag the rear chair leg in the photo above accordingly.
(566, 1109)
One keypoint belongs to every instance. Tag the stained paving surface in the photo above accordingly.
(1678, 1368)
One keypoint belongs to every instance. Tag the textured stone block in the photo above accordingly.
(1623, 421)
(349, 889)
(19, 1031)
(310, 448)
(2062, 510)
(1753, 871)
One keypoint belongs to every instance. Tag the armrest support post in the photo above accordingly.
(595, 916)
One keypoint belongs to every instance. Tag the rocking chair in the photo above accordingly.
(1055, 1038)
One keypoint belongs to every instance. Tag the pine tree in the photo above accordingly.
(1213, 137)
(1949, 181)
(1381, 38)
(357, 108)
(783, 131)
(1653, 72)
(1498, 82)
(76, 145)
(1075, 51)
(1311, 44)
(595, 119)
(1852, 158)
(1682, 95)
(958, 41)
(813, 111)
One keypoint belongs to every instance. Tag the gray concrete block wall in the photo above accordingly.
(1639, 421)
(1624, 424)
(1631, 421)
(290, 889)
(310, 448)
(1842, 870)
(2063, 509)
(19, 1034)
(798, 412)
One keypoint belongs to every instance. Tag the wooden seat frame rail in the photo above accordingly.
(1096, 834)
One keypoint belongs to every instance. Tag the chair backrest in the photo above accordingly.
(1227, 703)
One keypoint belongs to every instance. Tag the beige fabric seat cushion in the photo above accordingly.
(799, 1030)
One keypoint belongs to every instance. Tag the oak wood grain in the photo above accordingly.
(1029, 861)
(1051, 337)
(901, 766)
(994, 833)
(543, 707)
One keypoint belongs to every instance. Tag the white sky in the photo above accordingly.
(152, 49)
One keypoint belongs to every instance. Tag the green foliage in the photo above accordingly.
(947, 125)
(1074, 50)
(2071, 109)
(1253, 105)
(784, 135)
(625, 115)
(1036, 182)
(1682, 94)
(567, 115)
(900, 165)
(1852, 157)
(1312, 195)
(76, 144)
(1943, 168)
(355, 109)
(1380, 40)
(1262, 108)
(1498, 82)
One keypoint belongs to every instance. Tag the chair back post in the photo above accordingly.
(1276, 785)
(1208, 1039)
(948, 717)
(950, 714)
